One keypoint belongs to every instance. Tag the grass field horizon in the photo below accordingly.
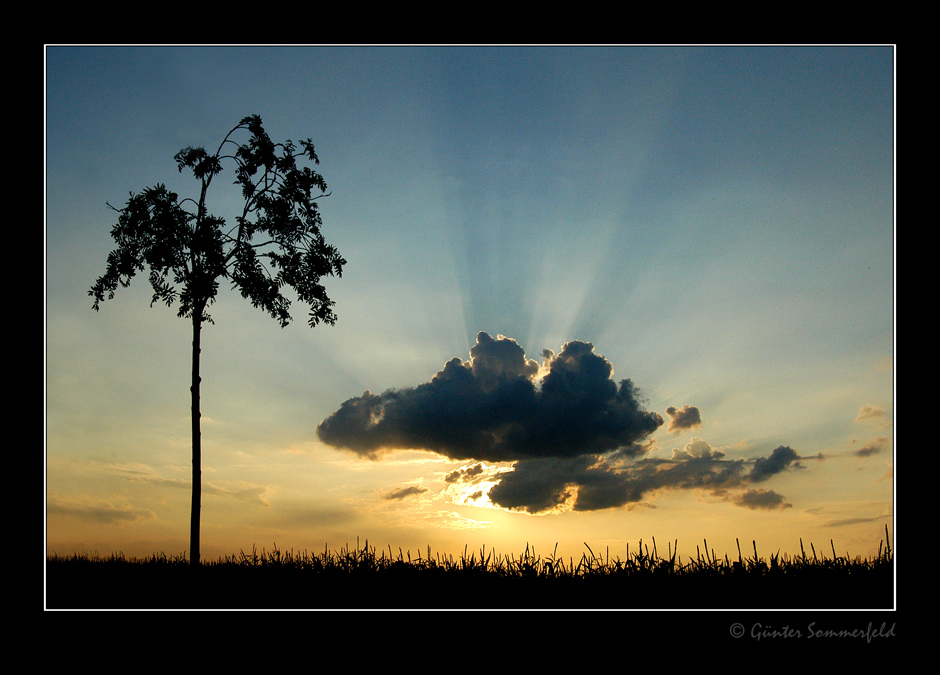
(362, 577)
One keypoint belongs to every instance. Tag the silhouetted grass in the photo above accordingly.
(363, 578)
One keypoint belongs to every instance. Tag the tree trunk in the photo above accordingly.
(197, 443)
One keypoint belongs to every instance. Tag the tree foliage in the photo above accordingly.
(275, 241)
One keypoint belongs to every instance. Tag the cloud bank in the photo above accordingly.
(576, 438)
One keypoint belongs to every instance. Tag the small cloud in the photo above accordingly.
(762, 499)
(402, 493)
(873, 414)
(697, 448)
(684, 418)
(873, 447)
(780, 459)
(870, 411)
(465, 473)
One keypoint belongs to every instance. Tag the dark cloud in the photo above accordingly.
(537, 485)
(576, 438)
(762, 499)
(873, 447)
(466, 473)
(401, 493)
(681, 419)
(780, 459)
(495, 408)
(591, 483)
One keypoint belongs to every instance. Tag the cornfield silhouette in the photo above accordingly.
(364, 578)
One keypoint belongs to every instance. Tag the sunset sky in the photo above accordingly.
(703, 237)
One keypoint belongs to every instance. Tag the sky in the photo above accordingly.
(594, 295)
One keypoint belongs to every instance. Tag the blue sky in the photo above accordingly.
(716, 221)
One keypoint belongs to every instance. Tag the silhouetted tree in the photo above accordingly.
(275, 241)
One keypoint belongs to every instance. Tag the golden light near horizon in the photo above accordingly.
(474, 493)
